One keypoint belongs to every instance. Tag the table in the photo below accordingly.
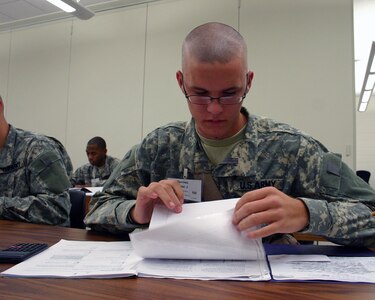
(149, 288)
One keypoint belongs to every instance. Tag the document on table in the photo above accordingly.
(334, 268)
(78, 259)
(200, 242)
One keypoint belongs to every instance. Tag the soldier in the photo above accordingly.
(34, 176)
(100, 165)
(287, 181)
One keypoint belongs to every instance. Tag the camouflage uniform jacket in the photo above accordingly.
(272, 154)
(33, 179)
(90, 175)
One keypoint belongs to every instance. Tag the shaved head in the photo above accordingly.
(213, 42)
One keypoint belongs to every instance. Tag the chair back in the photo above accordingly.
(365, 175)
(77, 211)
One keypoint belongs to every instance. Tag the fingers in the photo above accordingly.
(248, 210)
(168, 192)
(263, 231)
(267, 211)
(255, 195)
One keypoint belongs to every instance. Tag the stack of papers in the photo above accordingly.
(200, 242)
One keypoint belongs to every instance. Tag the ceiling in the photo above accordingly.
(15, 10)
(19, 13)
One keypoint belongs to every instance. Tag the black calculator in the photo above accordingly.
(20, 252)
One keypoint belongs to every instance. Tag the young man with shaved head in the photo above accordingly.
(287, 181)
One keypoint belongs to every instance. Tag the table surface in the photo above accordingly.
(149, 288)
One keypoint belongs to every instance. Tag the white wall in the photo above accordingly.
(114, 75)
(364, 34)
(366, 141)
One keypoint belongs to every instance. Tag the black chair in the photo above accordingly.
(77, 211)
(365, 175)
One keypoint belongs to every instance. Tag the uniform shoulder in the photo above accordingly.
(111, 160)
(38, 143)
(31, 140)
(268, 125)
(170, 129)
(180, 125)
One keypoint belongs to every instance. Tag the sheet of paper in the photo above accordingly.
(162, 216)
(78, 259)
(202, 231)
(255, 270)
(91, 190)
(350, 269)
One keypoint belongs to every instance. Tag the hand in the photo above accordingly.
(270, 208)
(168, 192)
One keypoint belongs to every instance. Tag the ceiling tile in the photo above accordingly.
(19, 10)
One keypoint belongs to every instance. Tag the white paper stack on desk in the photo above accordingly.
(200, 242)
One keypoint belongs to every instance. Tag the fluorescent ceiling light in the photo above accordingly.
(369, 81)
(366, 96)
(74, 8)
(62, 5)
(362, 107)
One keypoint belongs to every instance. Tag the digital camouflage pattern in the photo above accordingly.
(272, 154)
(90, 175)
(34, 179)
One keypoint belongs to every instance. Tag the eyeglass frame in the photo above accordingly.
(219, 99)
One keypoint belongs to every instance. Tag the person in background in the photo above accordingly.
(286, 180)
(99, 168)
(34, 176)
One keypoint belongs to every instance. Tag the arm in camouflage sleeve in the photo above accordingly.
(109, 210)
(78, 177)
(344, 216)
(46, 182)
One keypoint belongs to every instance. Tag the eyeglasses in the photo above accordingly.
(224, 100)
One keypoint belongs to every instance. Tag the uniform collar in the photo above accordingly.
(240, 162)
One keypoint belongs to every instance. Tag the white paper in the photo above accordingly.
(199, 243)
(350, 269)
(78, 259)
(93, 189)
(89, 190)
(255, 270)
(287, 258)
(202, 231)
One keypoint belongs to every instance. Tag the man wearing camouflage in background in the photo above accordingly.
(34, 176)
(100, 165)
(287, 181)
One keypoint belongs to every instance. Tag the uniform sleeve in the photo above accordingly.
(78, 177)
(48, 201)
(109, 210)
(342, 212)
